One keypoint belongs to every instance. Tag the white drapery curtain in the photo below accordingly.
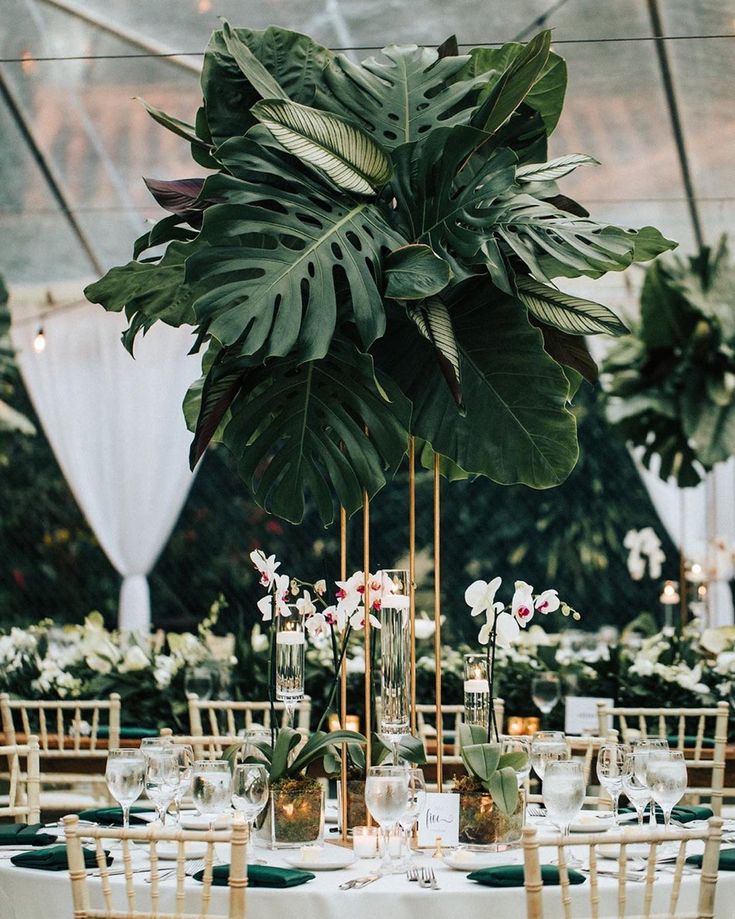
(115, 425)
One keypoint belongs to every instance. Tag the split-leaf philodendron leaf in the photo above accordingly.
(375, 254)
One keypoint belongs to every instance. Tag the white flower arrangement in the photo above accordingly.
(644, 548)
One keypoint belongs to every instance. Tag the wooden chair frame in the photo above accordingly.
(22, 783)
(695, 758)
(237, 836)
(211, 710)
(426, 731)
(205, 746)
(711, 836)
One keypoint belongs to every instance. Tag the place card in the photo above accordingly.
(581, 715)
(440, 818)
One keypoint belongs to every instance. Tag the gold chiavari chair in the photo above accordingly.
(68, 732)
(643, 898)
(23, 802)
(675, 724)
(205, 746)
(226, 717)
(173, 902)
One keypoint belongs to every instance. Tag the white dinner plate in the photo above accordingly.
(465, 860)
(193, 821)
(592, 822)
(168, 851)
(327, 858)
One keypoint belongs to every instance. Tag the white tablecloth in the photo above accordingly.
(30, 894)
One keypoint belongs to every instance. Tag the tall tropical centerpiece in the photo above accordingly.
(373, 255)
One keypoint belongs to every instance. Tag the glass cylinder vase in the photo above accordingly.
(395, 657)
(476, 690)
(290, 655)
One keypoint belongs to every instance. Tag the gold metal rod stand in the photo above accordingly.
(683, 587)
(366, 599)
(438, 627)
(343, 677)
(412, 570)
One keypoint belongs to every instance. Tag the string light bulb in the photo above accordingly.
(39, 342)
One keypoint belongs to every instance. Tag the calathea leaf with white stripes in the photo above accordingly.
(435, 324)
(349, 156)
(570, 314)
(554, 169)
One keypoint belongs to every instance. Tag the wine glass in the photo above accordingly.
(162, 779)
(415, 807)
(184, 754)
(666, 777)
(563, 793)
(199, 680)
(150, 745)
(546, 691)
(125, 775)
(509, 744)
(250, 791)
(386, 797)
(547, 747)
(635, 785)
(643, 747)
(212, 788)
(610, 771)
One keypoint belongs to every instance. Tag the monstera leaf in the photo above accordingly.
(327, 428)
(271, 277)
(512, 390)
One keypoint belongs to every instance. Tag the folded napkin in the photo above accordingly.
(128, 733)
(24, 834)
(53, 859)
(512, 876)
(681, 813)
(260, 876)
(708, 743)
(113, 816)
(727, 860)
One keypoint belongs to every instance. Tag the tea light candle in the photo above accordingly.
(476, 686)
(516, 725)
(531, 725)
(311, 853)
(365, 841)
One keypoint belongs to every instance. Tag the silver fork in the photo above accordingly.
(412, 873)
(191, 867)
(429, 878)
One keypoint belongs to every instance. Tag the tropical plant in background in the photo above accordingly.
(373, 257)
(10, 418)
(670, 385)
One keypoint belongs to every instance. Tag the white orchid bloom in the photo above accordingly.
(357, 620)
(547, 602)
(506, 628)
(266, 566)
(135, 659)
(320, 588)
(350, 594)
(522, 604)
(316, 625)
(305, 605)
(265, 605)
(480, 596)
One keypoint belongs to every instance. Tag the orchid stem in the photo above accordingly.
(492, 725)
(337, 669)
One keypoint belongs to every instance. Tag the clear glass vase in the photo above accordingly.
(295, 814)
(290, 657)
(476, 690)
(395, 658)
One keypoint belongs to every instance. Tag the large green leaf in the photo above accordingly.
(256, 73)
(414, 272)
(573, 315)
(568, 350)
(326, 427)
(178, 127)
(271, 275)
(503, 788)
(514, 393)
(481, 759)
(399, 98)
(449, 210)
(553, 170)
(319, 744)
(345, 153)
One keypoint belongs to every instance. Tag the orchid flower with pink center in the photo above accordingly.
(305, 605)
(522, 603)
(547, 602)
(316, 625)
(350, 593)
(357, 620)
(277, 600)
(266, 566)
(480, 596)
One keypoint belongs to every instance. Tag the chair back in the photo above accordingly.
(226, 717)
(23, 784)
(452, 715)
(205, 746)
(65, 729)
(631, 895)
(150, 901)
(699, 733)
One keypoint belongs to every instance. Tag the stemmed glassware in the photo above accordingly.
(522, 745)
(547, 747)
(666, 777)
(643, 748)
(546, 691)
(199, 680)
(185, 757)
(250, 791)
(212, 788)
(414, 808)
(386, 796)
(162, 779)
(125, 776)
(610, 771)
(563, 793)
(634, 783)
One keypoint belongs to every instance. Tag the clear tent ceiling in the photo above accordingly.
(77, 118)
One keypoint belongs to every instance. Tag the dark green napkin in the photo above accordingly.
(690, 740)
(260, 876)
(53, 859)
(681, 813)
(24, 834)
(727, 860)
(112, 816)
(128, 733)
(512, 876)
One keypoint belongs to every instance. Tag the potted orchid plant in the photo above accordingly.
(492, 806)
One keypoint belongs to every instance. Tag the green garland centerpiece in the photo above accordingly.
(373, 256)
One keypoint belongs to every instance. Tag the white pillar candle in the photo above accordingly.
(476, 686)
(290, 638)
(365, 841)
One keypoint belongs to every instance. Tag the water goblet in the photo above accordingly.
(563, 793)
(610, 771)
(546, 691)
(642, 748)
(634, 783)
(212, 788)
(125, 776)
(199, 680)
(414, 809)
(547, 747)
(162, 779)
(184, 754)
(666, 777)
(521, 745)
(386, 797)
(250, 788)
